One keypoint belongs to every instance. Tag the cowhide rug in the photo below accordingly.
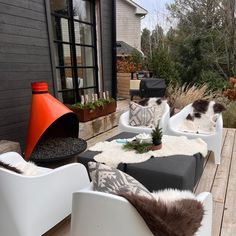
(203, 117)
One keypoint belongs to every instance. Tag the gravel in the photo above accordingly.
(58, 148)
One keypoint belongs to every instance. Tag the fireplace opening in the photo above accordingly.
(59, 141)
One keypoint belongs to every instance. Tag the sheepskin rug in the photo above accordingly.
(112, 153)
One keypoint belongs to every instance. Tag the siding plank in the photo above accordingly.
(23, 50)
(21, 12)
(23, 31)
(19, 21)
(24, 67)
(23, 40)
(37, 7)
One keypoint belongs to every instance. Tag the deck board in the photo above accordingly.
(220, 183)
(229, 215)
(220, 180)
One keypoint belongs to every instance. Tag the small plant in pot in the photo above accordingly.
(156, 138)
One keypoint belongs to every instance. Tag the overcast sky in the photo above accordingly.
(157, 13)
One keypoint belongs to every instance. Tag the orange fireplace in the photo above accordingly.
(49, 118)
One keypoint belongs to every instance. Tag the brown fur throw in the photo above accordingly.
(9, 167)
(178, 218)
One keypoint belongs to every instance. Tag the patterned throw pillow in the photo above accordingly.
(110, 180)
(141, 115)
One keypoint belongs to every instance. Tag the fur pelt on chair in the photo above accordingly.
(9, 167)
(203, 117)
(175, 218)
(28, 168)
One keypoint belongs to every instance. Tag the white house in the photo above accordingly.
(128, 22)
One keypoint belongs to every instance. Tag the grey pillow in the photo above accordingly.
(141, 115)
(110, 180)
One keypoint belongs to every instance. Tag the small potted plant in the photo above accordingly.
(156, 138)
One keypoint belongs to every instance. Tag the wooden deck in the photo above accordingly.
(220, 180)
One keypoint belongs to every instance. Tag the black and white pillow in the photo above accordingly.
(110, 180)
(158, 104)
(141, 115)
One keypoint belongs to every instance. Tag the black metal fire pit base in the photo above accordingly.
(57, 149)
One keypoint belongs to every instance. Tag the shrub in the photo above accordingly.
(213, 80)
(180, 96)
(229, 116)
(130, 64)
(163, 67)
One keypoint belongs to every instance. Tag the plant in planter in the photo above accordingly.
(156, 138)
(143, 145)
(89, 110)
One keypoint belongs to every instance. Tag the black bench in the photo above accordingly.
(180, 171)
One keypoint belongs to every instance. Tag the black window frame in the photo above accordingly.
(72, 43)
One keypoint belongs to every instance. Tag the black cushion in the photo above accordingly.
(179, 171)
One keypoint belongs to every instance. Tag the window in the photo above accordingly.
(74, 37)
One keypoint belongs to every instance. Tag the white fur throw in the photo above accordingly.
(28, 168)
(171, 195)
(112, 153)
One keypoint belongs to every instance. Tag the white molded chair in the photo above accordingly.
(213, 140)
(31, 205)
(124, 125)
(99, 214)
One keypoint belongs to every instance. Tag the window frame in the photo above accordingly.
(72, 43)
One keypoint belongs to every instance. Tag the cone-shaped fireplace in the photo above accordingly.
(50, 119)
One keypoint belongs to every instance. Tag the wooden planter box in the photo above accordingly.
(85, 115)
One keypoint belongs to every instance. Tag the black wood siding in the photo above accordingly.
(24, 58)
(108, 45)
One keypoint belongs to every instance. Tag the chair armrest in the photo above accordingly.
(206, 199)
(178, 118)
(219, 123)
(99, 214)
(12, 158)
(165, 118)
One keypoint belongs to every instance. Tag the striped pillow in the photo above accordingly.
(141, 115)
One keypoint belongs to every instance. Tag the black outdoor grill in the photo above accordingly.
(152, 87)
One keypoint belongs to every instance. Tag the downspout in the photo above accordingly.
(113, 35)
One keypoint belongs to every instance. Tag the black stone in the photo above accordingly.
(58, 148)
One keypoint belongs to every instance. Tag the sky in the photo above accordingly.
(157, 13)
